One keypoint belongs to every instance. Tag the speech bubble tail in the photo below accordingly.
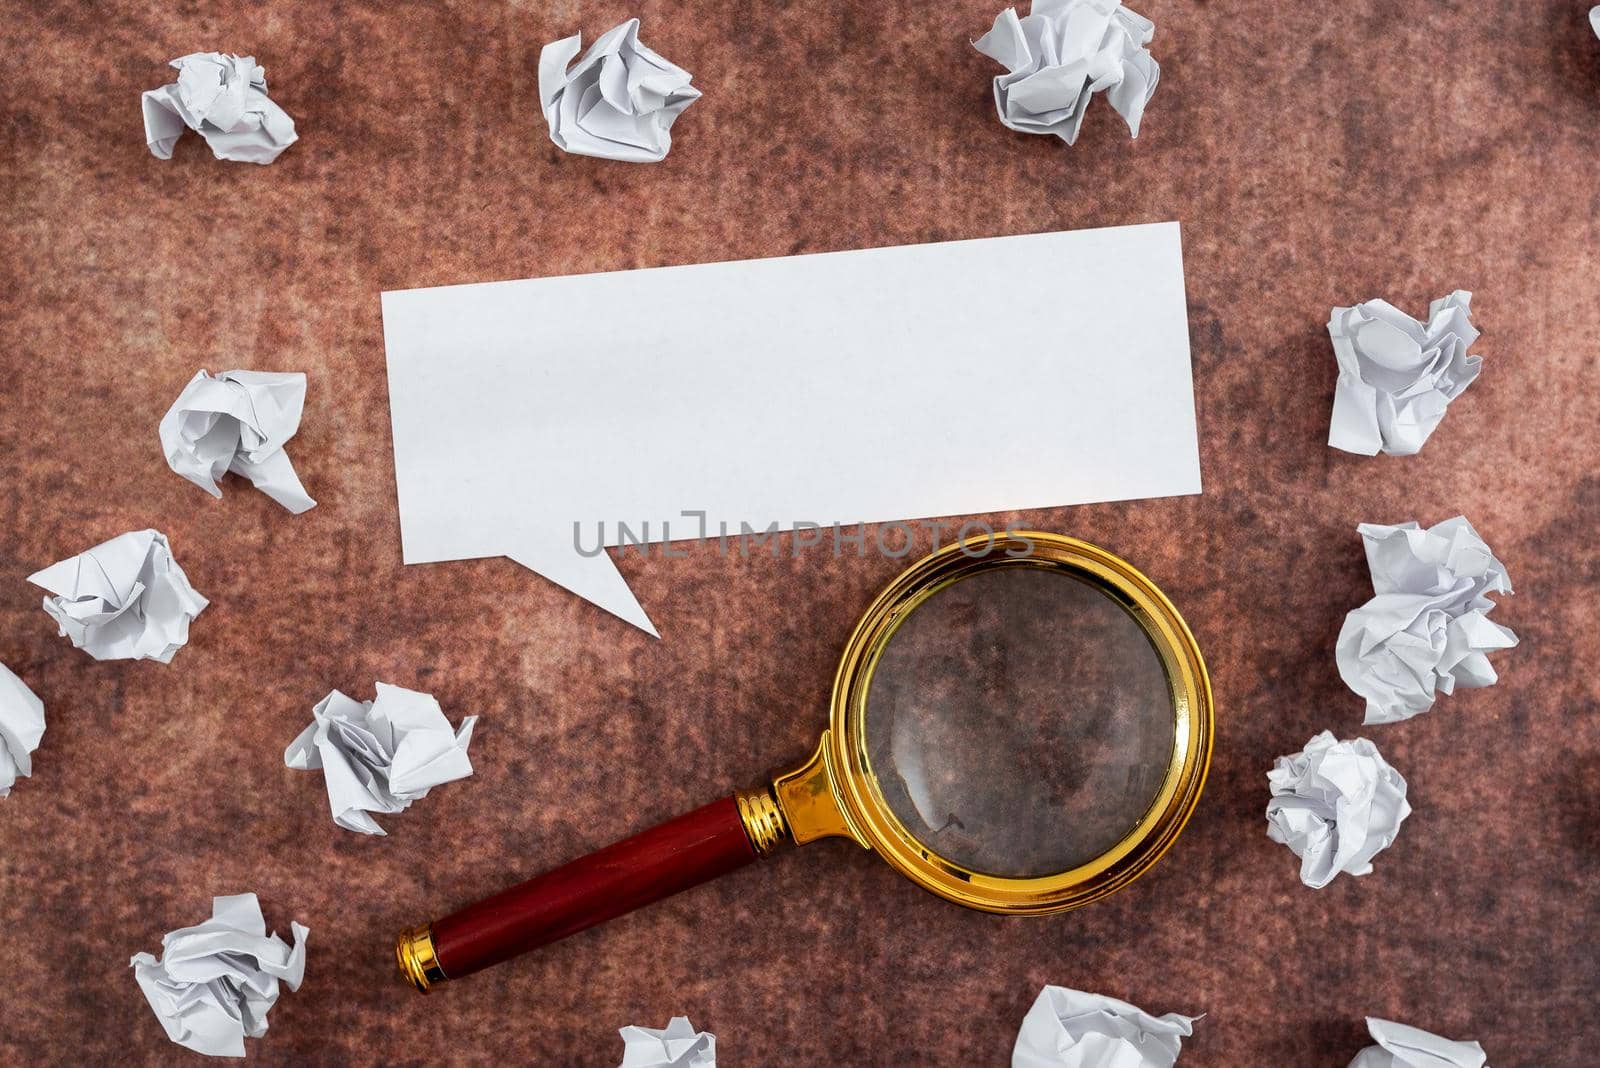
(594, 578)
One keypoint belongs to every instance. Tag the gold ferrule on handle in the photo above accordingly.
(419, 964)
(762, 818)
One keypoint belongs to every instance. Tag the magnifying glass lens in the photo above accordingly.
(1019, 722)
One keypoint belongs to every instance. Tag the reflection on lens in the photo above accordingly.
(1019, 722)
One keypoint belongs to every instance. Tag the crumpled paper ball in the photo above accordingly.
(380, 755)
(678, 1045)
(1063, 53)
(238, 421)
(223, 98)
(1396, 375)
(1336, 805)
(1068, 1028)
(1427, 630)
(1399, 1046)
(620, 100)
(21, 728)
(216, 981)
(124, 599)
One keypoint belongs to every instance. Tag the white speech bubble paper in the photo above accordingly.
(886, 384)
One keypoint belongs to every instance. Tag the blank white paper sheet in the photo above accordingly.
(919, 381)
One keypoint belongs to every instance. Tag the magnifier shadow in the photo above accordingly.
(1021, 724)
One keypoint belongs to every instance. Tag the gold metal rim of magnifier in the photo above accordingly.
(834, 793)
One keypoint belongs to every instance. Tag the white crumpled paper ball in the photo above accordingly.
(1063, 53)
(223, 98)
(21, 728)
(1427, 629)
(216, 981)
(380, 755)
(1068, 1028)
(238, 421)
(124, 599)
(1396, 375)
(677, 1045)
(1399, 1046)
(1336, 805)
(618, 102)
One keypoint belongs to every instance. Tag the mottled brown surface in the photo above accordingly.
(1315, 153)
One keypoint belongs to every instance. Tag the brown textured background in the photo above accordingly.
(1315, 154)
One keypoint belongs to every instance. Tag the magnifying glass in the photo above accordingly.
(1021, 723)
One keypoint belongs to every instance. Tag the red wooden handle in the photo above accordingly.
(653, 864)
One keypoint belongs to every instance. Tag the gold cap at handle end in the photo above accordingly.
(419, 964)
